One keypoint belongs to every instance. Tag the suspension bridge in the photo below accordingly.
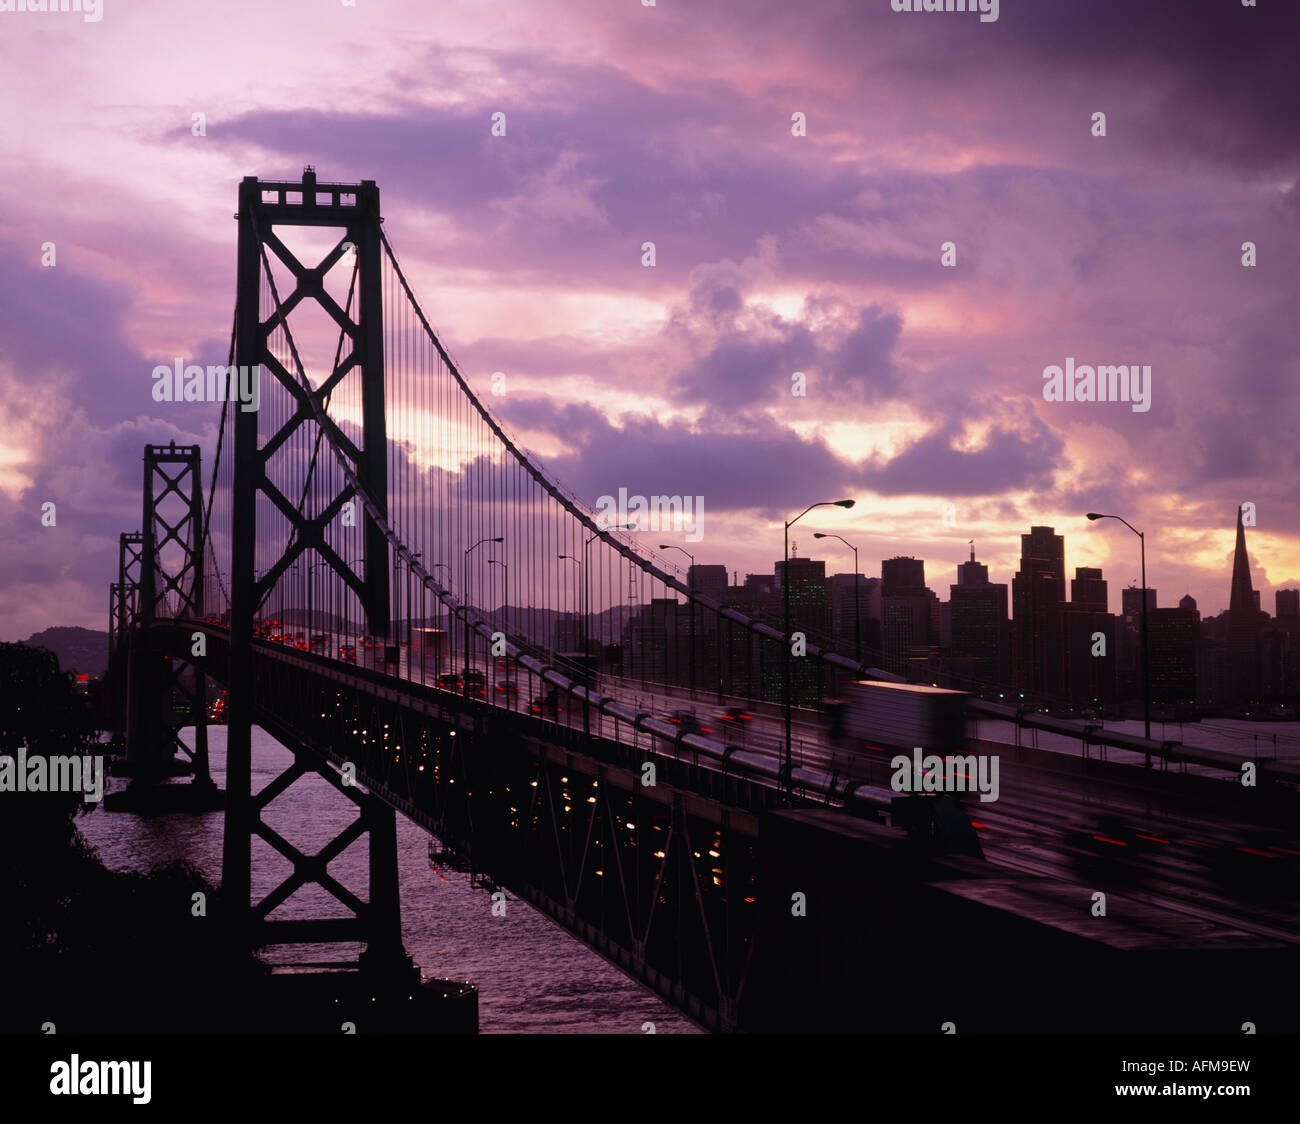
(373, 570)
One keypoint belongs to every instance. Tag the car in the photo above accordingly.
(319, 640)
(348, 652)
(735, 714)
(449, 681)
(508, 685)
(688, 722)
(547, 704)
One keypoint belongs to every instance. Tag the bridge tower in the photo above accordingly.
(169, 584)
(354, 210)
(123, 611)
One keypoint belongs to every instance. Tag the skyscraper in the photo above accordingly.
(809, 605)
(1175, 637)
(855, 610)
(708, 580)
(648, 639)
(981, 630)
(909, 618)
(1243, 624)
(901, 577)
(810, 613)
(1089, 639)
(1037, 594)
(1128, 640)
(1287, 603)
(1131, 601)
(972, 572)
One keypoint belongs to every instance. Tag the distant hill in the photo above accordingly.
(84, 650)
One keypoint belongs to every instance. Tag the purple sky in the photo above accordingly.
(775, 253)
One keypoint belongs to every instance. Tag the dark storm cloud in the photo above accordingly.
(1222, 76)
(751, 365)
(767, 470)
(931, 465)
(59, 322)
(683, 178)
(748, 470)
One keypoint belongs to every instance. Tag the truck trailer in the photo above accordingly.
(900, 716)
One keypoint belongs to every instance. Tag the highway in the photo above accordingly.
(1204, 856)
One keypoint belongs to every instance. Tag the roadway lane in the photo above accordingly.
(1043, 823)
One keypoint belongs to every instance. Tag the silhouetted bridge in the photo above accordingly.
(751, 891)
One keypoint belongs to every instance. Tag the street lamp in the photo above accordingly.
(347, 608)
(438, 617)
(444, 566)
(690, 585)
(395, 599)
(312, 567)
(1146, 651)
(857, 616)
(589, 675)
(577, 562)
(505, 574)
(785, 660)
(410, 671)
(583, 570)
(465, 590)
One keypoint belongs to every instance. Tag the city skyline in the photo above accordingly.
(1115, 591)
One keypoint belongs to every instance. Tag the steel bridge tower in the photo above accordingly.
(354, 208)
(167, 557)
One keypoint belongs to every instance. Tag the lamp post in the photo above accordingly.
(690, 585)
(505, 573)
(311, 616)
(284, 622)
(506, 594)
(857, 615)
(785, 659)
(583, 571)
(465, 589)
(577, 562)
(347, 617)
(1146, 651)
(586, 617)
(410, 670)
(424, 657)
(589, 673)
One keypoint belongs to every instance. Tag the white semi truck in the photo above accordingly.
(900, 716)
(896, 718)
